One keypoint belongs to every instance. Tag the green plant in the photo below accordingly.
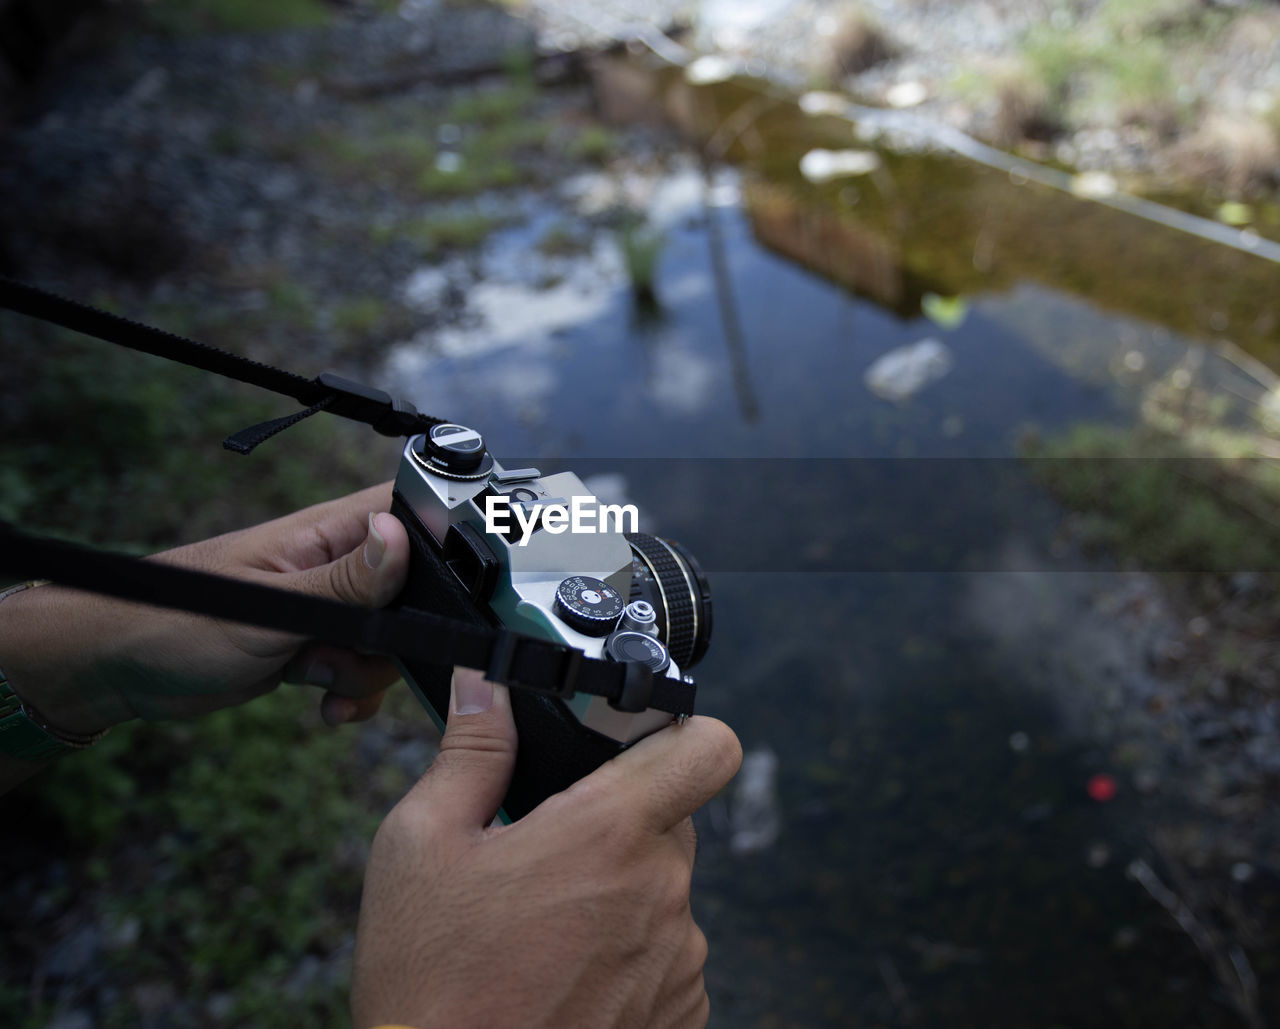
(124, 448)
(391, 157)
(496, 106)
(1155, 500)
(459, 230)
(358, 317)
(190, 17)
(593, 143)
(562, 240)
(641, 244)
(469, 178)
(253, 822)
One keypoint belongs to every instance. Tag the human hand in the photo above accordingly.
(576, 915)
(87, 662)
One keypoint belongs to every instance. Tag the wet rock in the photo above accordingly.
(1246, 584)
(1242, 871)
(73, 956)
(154, 998)
(1166, 655)
(219, 1006)
(77, 1019)
(1210, 732)
(124, 933)
(1036, 813)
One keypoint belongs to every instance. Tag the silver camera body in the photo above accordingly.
(530, 572)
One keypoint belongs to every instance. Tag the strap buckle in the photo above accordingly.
(387, 413)
(637, 688)
(503, 657)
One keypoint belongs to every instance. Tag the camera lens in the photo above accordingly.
(665, 574)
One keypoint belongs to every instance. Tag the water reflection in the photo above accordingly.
(926, 675)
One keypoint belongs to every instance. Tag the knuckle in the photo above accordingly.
(467, 739)
(701, 1013)
(343, 583)
(699, 949)
(401, 827)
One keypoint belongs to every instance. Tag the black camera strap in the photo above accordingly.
(387, 414)
(522, 662)
(519, 661)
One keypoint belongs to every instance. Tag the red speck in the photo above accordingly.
(1101, 787)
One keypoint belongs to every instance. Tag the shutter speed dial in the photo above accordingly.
(589, 605)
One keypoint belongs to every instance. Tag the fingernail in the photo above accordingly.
(335, 710)
(318, 674)
(374, 547)
(471, 693)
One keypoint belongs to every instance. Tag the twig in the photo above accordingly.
(893, 983)
(733, 335)
(1231, 967)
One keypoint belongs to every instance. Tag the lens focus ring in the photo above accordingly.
(678, 621)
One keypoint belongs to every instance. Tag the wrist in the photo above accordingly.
(45, 656)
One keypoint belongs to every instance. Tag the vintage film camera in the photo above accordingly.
(615, 596)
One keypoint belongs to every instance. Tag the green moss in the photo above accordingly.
(496, 106)
(254, 824)
(470, 178)
(389, 157)
(191, 17)
(1168, 506)
(358, 317)
(288, 300)
(125, 448)
(460, 230)
(564, 240)
(593, 143)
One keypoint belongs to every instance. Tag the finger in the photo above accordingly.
(340, 525)
(666, 777)
(370, 574)
(466, 783)
(313, 536)
(337, 710)
(340, 671)
(686, 837)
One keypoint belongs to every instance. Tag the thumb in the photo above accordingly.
(469, 778)
(369, 575)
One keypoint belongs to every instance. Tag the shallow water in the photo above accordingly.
(898, 621)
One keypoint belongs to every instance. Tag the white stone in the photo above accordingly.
(906, 94)
(1094, 184)
(820, 166)
(709, 69)
(818, 102)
